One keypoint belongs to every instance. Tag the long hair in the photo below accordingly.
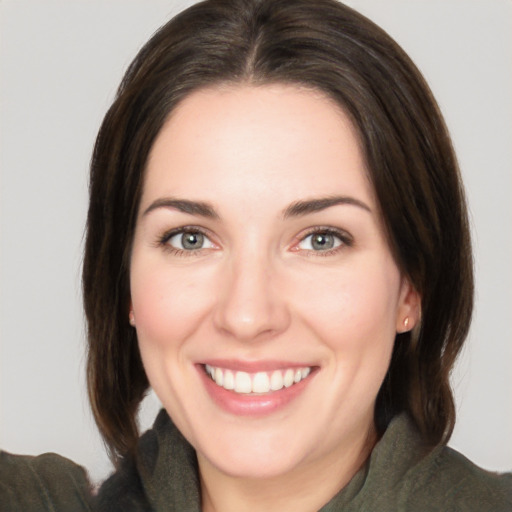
(326, 46)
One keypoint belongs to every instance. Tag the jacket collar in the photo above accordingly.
(167, 465)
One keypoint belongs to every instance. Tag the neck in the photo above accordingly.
(302, 489)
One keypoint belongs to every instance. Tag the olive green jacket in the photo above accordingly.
(399, 476)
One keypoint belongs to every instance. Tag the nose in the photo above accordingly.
(250, 303)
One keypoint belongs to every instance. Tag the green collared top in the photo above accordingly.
(399, 476)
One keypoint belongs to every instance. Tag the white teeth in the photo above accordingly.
(218, 376)
(229, 380)
(288, 378)
(243, 382)
(276, 381)
(260, 382)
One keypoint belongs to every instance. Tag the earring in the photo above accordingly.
(406, 322)
(131, 317)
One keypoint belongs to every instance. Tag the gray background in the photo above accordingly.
(61, 61)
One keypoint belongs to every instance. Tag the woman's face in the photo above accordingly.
(265, 297)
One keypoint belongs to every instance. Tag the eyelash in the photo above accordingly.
(164, 239)
(345, 239)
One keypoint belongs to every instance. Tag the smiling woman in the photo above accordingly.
(275, 285)
(277, 243)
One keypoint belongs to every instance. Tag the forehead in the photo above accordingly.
(257, 138)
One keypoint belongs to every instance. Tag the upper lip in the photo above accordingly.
(255, 366)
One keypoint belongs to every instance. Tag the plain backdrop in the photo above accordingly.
(61, 62)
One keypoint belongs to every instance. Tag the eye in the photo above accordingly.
(323, 241)
(188, 240)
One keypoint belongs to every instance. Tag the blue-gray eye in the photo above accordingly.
(189, 241)
(321, 241)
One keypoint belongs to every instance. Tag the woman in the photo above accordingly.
(277, 243)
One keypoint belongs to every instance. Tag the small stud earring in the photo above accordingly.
(131, 316)
(406, 322)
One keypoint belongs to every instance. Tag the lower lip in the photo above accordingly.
(243, 404)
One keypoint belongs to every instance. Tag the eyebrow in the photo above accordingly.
(183, 205)
(300, 208)
(296, 209)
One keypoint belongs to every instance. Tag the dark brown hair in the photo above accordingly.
(323, 45)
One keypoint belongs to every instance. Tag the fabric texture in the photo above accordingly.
(400, 476)
(44, 483)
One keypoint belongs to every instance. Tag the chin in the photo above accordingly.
(252, 466)
(255, 453)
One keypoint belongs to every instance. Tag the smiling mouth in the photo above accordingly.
(256, 383)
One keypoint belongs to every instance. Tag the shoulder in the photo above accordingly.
(404, 475)
(461, 485)
(448, 481)
(45, 482)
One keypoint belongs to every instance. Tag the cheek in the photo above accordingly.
(353, 308)
(168, 303)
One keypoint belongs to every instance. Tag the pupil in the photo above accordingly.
(322, 241)
(192, 240)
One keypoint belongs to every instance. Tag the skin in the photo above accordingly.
(258, 290)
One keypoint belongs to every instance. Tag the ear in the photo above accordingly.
(131, 315)
(409, 308)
